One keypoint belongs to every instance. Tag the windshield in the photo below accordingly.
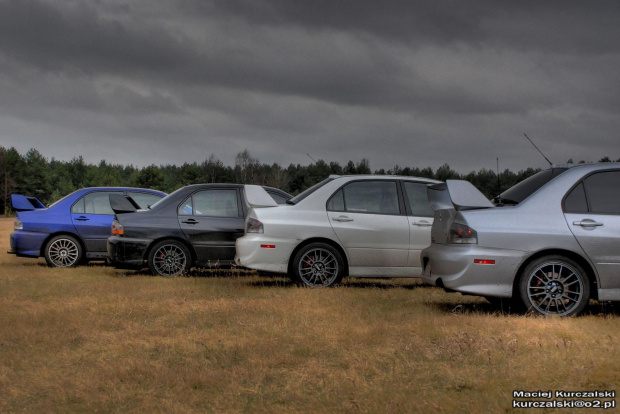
(309, 191)
(520, 191)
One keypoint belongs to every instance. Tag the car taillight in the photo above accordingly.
(462, 234)
(117, 228)
(254, 226)
(17, 224)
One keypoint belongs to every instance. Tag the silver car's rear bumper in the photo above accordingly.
(454, 267)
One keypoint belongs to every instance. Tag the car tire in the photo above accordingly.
(554, 285)
(169, 258)
(318, 265)
(63, 251)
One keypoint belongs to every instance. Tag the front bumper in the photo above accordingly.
(127, 253)
(453, 267)
(261, 252)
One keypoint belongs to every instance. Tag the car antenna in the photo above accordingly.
(311, 157)
(528, 138)
(499, 185)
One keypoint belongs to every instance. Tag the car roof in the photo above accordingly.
(385, 177)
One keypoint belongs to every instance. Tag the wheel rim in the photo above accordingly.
(169, 260)
(555, 289)
(63, 252)
(318, 267)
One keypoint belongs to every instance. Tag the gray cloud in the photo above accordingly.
(410, 83)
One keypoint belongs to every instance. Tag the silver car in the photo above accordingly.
(552, 252)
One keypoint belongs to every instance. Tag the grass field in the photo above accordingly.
(95, 339)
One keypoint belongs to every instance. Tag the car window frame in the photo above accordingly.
(585, 190)
(83, 197)
(240, 203)
(406, 198)
(399, 193)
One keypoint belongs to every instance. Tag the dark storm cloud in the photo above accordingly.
(349, 79)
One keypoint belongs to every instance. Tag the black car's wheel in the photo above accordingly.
(318, 265)
(63, 251)
(555, 285)
(169, 258)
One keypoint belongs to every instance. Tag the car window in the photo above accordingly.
(522, 190)
(336, 202)
(277, 197)
(214, 203)
(418, 199)
(144, 200)
(95, 203)
(575, 201)
(376, 197)
(603, 192)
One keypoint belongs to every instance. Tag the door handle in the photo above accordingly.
(587, 223)
(82, 218)
(342, 218)
(190, 221)
(422, 223)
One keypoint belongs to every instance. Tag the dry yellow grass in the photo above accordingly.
(98, 339)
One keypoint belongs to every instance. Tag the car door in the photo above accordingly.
(367, 217)
(212, 220)
(592, 211)
(420, 216)
(92, 217)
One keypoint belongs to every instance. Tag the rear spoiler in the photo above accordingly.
(25, 203)
(123, 204)
(456, 194)
(257, 197)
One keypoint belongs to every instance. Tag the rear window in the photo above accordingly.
(519, 192)
(309, 191)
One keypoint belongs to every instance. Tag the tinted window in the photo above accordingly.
(418, 199)
(309, 191)
(575, 201)
(519, 192)
(277, 198)
(95, 203)
(144, 200)
(378, 197)
(215, 203)
(336, 202)
(603, 191)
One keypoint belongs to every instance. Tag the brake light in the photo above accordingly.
(462, 234)
(254, 226)
(17, 224)
(117, 228)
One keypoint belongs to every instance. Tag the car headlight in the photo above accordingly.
(462, 234)
(17, 224)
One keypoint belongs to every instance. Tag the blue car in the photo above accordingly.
(72, 230)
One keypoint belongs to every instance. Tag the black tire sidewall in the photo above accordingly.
(188, 257)
(295, 271)
(585, 280)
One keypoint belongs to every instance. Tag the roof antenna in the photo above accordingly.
(311, 157)
(528, 138)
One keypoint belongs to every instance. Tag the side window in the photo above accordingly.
(277, 198)
(375, 197)
(214, 203)
(95, 203)
(336, 203)
(144, 199)
(575, 201)
(603, 192)
(418, 199)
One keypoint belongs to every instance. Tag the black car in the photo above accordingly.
(196, 226)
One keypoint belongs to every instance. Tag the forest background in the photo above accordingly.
(33, 174)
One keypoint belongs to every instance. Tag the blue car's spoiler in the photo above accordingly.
(25, 203)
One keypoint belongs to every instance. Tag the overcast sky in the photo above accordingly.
(413, 83)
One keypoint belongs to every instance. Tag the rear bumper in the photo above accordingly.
(127, 253)
(260, 252)
(453, 268)
(27, 244)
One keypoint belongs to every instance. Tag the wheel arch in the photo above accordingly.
(327, 241)
(583, 262)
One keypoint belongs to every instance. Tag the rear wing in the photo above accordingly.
(123, 204)
(456, 194)
(257, 197)
(25, 203)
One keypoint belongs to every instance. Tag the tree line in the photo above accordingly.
(33, 174)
